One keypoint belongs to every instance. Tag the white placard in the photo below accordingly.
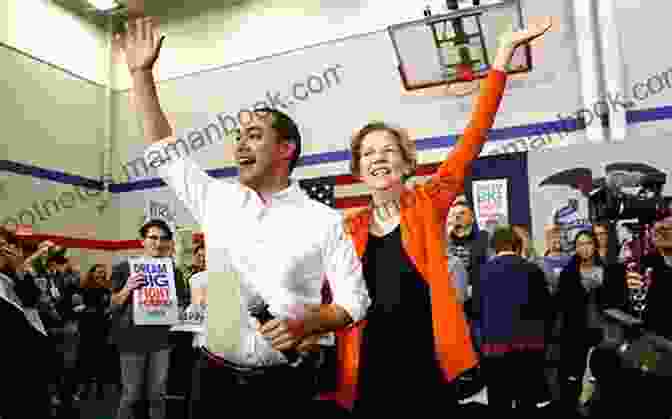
(155, 303)
(491, 202)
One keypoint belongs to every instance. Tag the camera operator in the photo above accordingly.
(624, 388)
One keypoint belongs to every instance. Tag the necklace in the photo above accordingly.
(386, 217)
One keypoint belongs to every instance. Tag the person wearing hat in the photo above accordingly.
(144, 350)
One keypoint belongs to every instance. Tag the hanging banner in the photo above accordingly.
(156, 302)
(491, 202)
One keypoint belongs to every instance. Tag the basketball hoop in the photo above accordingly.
(448, 53)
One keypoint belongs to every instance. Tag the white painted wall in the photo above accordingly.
(45, 30)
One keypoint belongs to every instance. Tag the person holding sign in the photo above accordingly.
(269, 246)
(146, 294)
(416, 329)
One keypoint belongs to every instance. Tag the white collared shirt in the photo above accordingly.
(283, 249)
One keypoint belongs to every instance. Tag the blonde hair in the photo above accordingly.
(401, 135)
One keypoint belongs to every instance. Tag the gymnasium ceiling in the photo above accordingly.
(166, 10)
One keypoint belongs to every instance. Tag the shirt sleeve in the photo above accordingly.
(199, 280)
(188, 180)
(344, 273)
(449, 179)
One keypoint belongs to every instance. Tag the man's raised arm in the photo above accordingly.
(141, 45)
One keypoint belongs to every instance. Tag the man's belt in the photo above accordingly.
(312, 359)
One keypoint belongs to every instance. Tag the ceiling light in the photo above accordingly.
(104, 5)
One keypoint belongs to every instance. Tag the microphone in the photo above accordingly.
(263, 315)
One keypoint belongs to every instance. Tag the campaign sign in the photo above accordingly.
(156, 302)
(491, 202)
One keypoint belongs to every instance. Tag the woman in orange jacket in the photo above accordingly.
(415, 338)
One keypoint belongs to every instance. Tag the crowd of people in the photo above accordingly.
(62, 326)
(421, 302)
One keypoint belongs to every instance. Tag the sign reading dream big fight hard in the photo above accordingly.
(491, 202)
(155, 304)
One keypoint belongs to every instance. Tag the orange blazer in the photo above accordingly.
(423, 213)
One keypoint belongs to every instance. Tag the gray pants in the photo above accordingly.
(140, 371)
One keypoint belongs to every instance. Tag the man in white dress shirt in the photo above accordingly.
(282, 244)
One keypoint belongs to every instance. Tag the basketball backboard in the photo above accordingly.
(457, 46)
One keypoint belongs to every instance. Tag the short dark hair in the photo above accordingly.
(505, 238)
(9, 236)
(156, 223)
(286, 129)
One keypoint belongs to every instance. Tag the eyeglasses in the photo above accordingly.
(162, 238)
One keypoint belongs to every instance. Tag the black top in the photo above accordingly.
(398, 362)
(93, 319)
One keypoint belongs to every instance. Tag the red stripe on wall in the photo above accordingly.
(74, 243)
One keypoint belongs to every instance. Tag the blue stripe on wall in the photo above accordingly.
(500, 134)
(53, 175)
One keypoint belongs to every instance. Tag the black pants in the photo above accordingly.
(280, 391)
(514, 376)
(92, 362)
(573, 363)
(24, 392)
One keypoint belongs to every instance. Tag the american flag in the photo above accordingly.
(347, 193)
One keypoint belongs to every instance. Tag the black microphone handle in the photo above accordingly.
(264, 316)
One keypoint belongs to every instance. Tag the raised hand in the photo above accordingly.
(141, 44)
(533, 31)
(44, 247)
(634, 280)
(512, 40)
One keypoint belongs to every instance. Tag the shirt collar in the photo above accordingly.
(291, 193)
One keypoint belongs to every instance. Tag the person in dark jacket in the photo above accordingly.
(514, 303)
(93, 328)
(60, 318)
(579, 302)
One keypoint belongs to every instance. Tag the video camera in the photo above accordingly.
(627, 196)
